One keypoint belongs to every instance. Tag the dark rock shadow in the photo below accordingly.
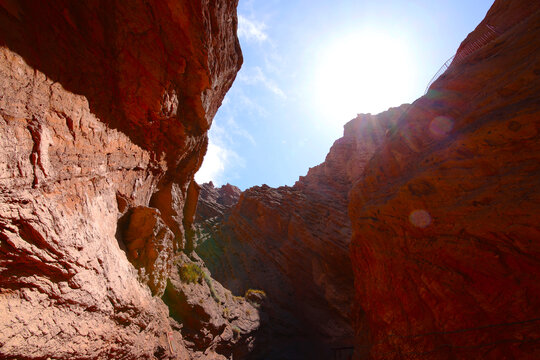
(121, 56)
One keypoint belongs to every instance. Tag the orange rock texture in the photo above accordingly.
(293, 242)
(445, 218)
(104, 108)
(417, 238)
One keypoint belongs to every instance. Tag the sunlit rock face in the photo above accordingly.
(104, 108)
(446, 243)
(293, 242)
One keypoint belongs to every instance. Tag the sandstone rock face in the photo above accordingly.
(149, 246)
(446, 243)
(68, 290)
(215, 202)
(292, 242)
(213, 322)
(104, 108)
(213, 206)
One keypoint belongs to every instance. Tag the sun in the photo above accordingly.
(363, 72)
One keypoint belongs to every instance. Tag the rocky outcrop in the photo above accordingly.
(104, 108)
(444, 211)
(214, 203)
(213, 322)
(149, 246)
(292, 242)
(213, 207)
(445, 244)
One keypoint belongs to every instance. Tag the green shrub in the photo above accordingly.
(226, 312)
(191, 273)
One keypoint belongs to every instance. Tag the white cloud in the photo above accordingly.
(251, 30)
(239, 131)
(219, 158)
(257, 76)
(247, 105)
(213, 165)
(273, 62)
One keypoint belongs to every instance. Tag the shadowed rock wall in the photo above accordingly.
(446, 236)
(293, 242)
(104, 107)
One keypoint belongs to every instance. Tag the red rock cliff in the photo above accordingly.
(292, 242)
(104, 108)
(446, 236)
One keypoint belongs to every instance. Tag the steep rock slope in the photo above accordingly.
(446, 236)
(292, 242)
(214, 324)
(213, 206)
(214, 203)
(104, 108)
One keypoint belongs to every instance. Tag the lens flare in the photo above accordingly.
(441, 126)
(420, 218)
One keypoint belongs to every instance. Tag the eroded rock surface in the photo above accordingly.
(292, 242)
(68, 290)
(148, 243)
(104, 108)
(446, 242)
(213, 322)
(214, 203)
(213, 207)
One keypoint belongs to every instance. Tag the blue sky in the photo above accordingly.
(311, 66)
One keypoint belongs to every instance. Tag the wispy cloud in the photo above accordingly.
(215, 162)
(237, 131)
(219, 157)
(251, 106)
(257, 76)
(251, 30)
(242, 104)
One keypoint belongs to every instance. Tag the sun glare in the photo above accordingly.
(361, 73)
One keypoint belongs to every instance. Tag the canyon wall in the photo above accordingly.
(443, 203)
(293, 243)
(432, 207)
(104, 109)
(445, 245)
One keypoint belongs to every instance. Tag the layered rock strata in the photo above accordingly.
(446, 242)
(214, 203)
(444, 211)
(213, 206)
(292, 242)
(104, 108)
(212, 321)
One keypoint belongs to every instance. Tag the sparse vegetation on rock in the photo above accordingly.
(190, 273)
